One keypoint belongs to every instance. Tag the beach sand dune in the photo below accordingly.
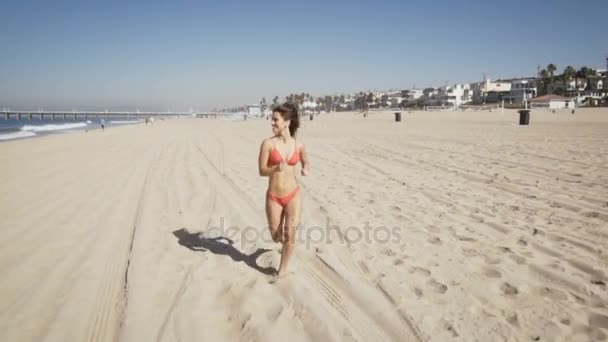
(446, 226)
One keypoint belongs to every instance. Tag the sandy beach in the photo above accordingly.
(447, 226)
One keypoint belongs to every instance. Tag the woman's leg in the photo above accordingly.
(292, 218)
(274, 214)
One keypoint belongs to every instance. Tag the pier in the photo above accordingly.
(86, 115)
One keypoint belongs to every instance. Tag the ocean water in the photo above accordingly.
(12, 129)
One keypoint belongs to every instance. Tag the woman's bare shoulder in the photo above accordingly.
(299, 144)
(267, 142)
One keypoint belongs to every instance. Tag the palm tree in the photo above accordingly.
(544, 74)
(326, 102)
(263, 103)
(568, 73)
(586, 72)
(551, 69)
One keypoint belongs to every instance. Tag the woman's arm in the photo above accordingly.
(304, 161)
(263, 167)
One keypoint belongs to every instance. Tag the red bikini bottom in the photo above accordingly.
(283, 201)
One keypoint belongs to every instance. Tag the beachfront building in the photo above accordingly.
(490, 92)
(522, 90)
(254, 111)
(587, 92)
(411, 94)
(348, 103)
(430, 97)
(309, 107)
(455, 95)
(394, 101)
(552, 102)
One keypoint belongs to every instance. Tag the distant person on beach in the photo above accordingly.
(102, 122)
(277, 160)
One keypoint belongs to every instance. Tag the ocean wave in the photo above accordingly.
(16, 135)
(53, 127)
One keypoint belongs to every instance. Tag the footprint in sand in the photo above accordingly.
(557, 266)
(504, 249)
(491, 272)
(597, 320)
(598, 282)
(518, 259)
(508, 289)
(593, 333)
(551, 293)
(591, 214)
(511, 318)
(491, 261)
(469, 252)
(449, 327)
(434, 240)
(420, 271)
(465, 238)
(389, 252)
(437, 286)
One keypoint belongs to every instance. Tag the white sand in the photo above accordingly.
(498, 232)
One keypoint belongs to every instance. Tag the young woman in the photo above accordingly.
(278, 158)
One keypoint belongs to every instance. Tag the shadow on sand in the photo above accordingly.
(221, 246)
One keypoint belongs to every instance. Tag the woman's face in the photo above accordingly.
(278, 123)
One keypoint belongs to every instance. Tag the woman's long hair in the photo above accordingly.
(289, 111)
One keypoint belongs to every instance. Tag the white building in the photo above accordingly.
(551, 102)
(455, 95)
(490, 92)
(412, 94)
(589, 91)
(254, 111)
(309, 105)
(522, 90)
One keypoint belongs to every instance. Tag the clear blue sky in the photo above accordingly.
(178, 54)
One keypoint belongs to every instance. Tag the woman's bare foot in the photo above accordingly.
(279, 276)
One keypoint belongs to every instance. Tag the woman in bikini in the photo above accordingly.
(278, 158)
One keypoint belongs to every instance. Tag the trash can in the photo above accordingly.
(397, 116)
(524, 117)
(311, 117)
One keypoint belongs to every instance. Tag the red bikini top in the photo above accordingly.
(275, 157)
